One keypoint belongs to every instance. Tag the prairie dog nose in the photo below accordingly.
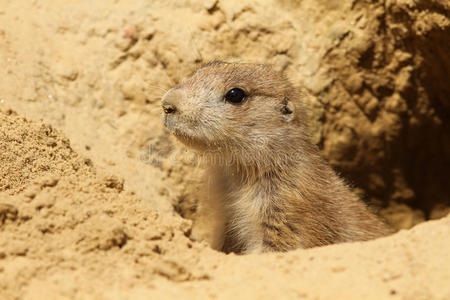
(169, 108)
(171, 100)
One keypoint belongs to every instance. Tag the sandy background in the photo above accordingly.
(97, 201)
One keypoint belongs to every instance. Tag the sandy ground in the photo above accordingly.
(97, 201)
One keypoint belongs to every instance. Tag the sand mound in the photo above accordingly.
(71, 225)
(97, 201)
(78, 234)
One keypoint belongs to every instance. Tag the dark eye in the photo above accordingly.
(235, 95)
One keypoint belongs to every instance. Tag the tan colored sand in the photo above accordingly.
(76, 233)
(92, 188)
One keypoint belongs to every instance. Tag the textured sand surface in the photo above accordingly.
(97, 201)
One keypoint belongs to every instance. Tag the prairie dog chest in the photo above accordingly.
(245, 208)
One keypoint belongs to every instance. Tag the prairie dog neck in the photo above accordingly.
(245, 206)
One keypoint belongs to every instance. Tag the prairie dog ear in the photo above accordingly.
(287, 110)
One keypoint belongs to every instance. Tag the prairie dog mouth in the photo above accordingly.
(169, 122)
(185, 134)
(177, 127)
(189, 140)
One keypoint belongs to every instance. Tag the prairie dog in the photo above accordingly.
(275, 190)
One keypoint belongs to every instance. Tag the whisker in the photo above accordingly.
(163, 89)
(172, 82)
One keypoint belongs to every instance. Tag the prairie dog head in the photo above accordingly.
(242, 108)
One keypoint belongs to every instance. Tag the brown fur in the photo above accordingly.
(276, 191)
